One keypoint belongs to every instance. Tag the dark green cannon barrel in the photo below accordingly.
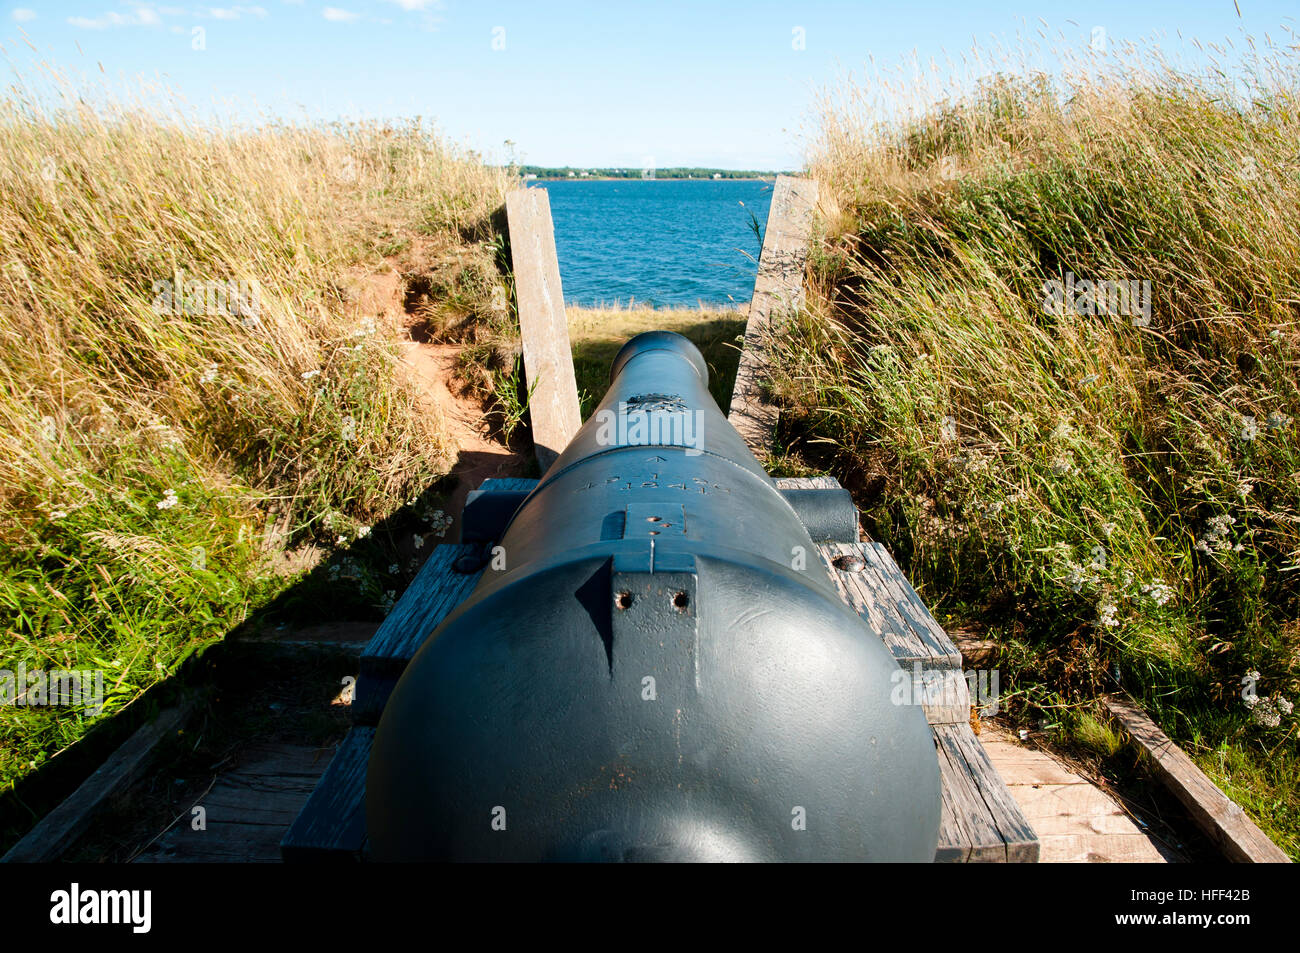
(655, 666)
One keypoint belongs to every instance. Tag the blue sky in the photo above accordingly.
(714, 84)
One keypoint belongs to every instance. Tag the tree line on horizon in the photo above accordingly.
(674, 172)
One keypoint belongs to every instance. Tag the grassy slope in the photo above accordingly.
(598, 333)
(144, 455)
(1113, 499)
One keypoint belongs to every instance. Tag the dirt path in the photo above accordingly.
(479, 456)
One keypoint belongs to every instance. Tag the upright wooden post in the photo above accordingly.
(778, 290)
(548, 358)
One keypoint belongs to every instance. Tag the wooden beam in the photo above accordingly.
(548, 358)
(332, 824)
(60, 829)
(1219, 816)
(778, 291)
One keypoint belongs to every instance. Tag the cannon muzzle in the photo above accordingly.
(654, 666)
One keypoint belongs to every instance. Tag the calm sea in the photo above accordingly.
(661, 241)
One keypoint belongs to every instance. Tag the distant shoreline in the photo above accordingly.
(637, 178)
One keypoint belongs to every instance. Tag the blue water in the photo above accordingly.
(660, 242)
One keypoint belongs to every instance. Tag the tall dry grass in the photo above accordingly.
(146, 444)
(1112, 492)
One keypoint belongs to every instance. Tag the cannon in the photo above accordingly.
(654, 666)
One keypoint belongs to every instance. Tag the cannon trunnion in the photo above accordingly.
(655, 665)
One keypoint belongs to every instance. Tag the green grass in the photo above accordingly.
(597, 334)
(1115, 501)
(155, 462)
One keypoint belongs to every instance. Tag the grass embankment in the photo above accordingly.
(150, 446)
(1113, 494)
(597, 334)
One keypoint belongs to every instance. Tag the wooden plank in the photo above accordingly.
(935, 670)
(1102, 849)
(778, 291)
(431, 597)
(1219, 816)
(548, 358)
(332, 825)
(247, 810)
(1031, 774)
(881, 593)
(910, 605)
(436, 590)
(508, 485)
(987, 813)
(970, 825)
(59, 829)
(1041, 801)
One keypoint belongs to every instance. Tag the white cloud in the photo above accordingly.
(417, 4)
(105, 21)
(141, 14)
(230, 13)
(339, 16)
(23, 15)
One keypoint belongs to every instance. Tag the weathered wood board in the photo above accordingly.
(886, 601)
(548, 359)
(432, 595)
(1214, 812)
(59, 829)
(980, 817)
(1075, 820)
(247, 811)
(778, 291)
(332, 825)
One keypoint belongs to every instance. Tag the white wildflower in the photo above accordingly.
(1244, 488)
(1061, 466)
(1076, 577)
(308, 375)
(1157, 591)
(1215, 536)
(1278, 421)
(417, 540)
(168, 501)
(209, 375)
(1249, 428)
(349, 429)
(1106, 615)
(1265, 713)
(367, 327)
(363, 532)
